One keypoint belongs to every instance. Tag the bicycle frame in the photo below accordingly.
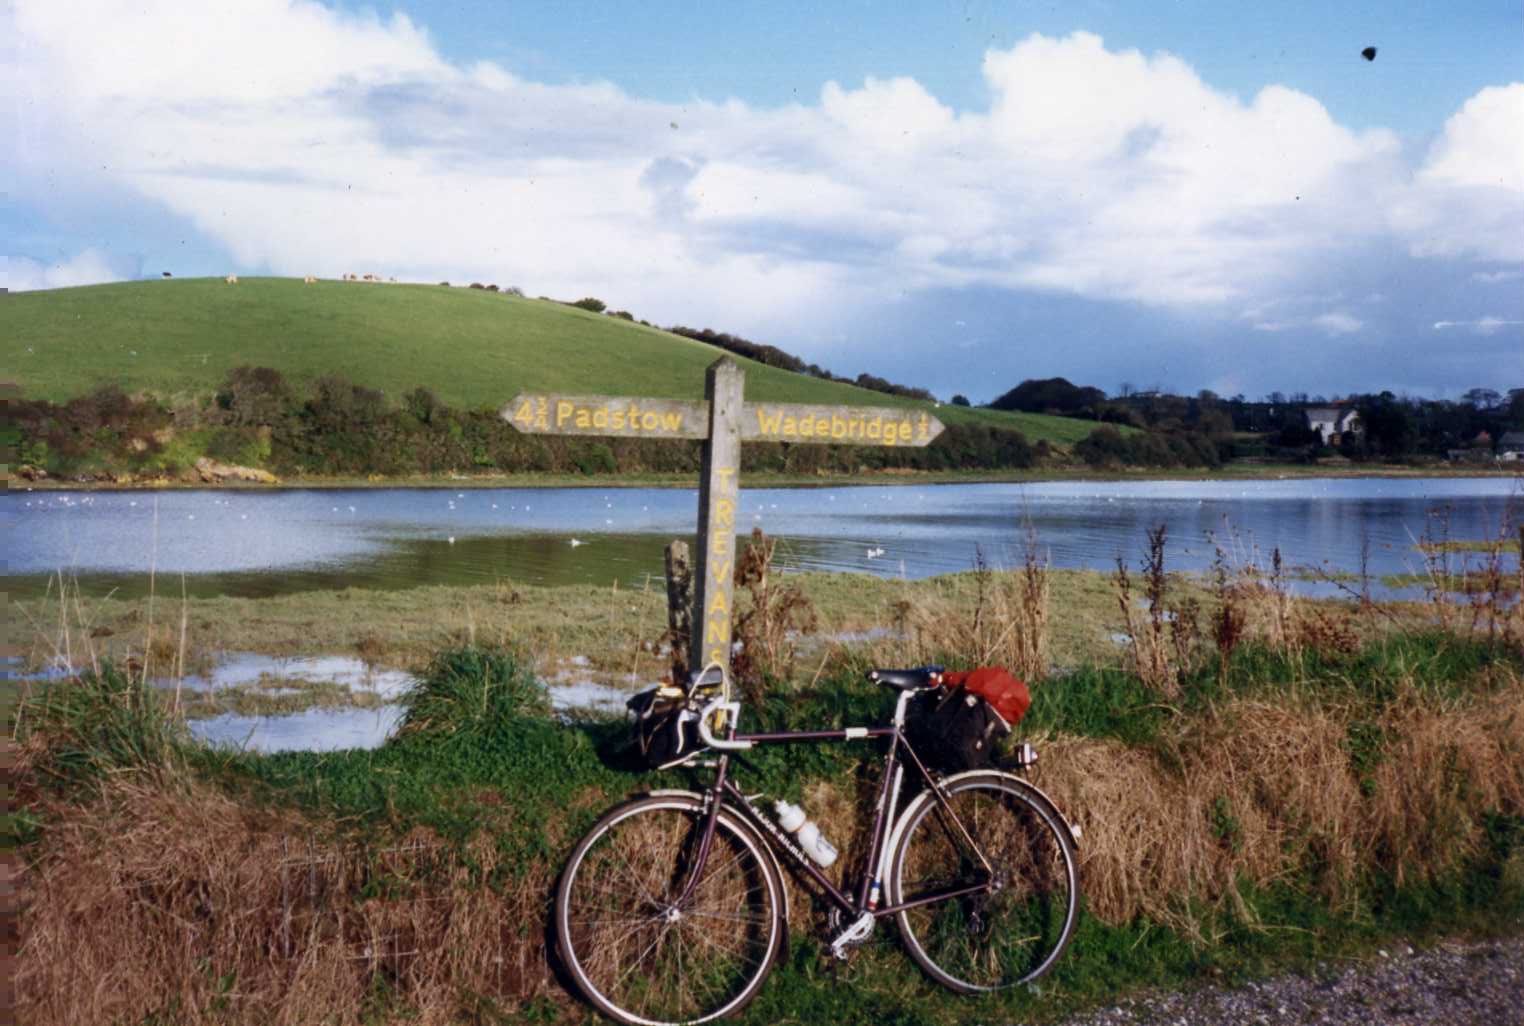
(870, 888)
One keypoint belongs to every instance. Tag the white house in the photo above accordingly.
(1333, 422)
(1511, 446)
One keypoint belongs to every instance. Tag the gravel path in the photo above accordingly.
(1454, 984)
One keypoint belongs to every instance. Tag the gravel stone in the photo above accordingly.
(1454, 984)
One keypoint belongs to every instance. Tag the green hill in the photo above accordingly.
(472, 348)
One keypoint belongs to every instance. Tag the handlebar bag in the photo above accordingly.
(665, 731)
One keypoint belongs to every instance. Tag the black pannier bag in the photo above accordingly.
(665, 732)
(954, 731)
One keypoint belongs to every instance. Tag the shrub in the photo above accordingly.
(590, 303)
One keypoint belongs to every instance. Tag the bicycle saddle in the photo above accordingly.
(908, 680)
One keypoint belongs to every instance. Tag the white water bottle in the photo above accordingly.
(791, 818)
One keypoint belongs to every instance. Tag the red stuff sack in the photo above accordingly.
(1008, 696)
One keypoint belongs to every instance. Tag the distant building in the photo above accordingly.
(1332, 423)
(1511, 446)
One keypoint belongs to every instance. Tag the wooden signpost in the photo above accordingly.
(723, 420)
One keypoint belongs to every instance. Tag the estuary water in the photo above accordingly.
(258, 543)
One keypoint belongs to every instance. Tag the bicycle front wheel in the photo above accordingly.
(1003, 844)
(637, 948)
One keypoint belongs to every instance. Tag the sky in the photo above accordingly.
(957, 196)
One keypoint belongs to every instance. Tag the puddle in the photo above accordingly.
(242, 668)
(329, 729)
(858, 637)
(313, 730)
(590, 695)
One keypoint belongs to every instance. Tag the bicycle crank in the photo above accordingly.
(852, 936)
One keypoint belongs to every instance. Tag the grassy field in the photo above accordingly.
(474, 349)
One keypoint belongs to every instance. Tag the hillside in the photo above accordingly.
(472, 348)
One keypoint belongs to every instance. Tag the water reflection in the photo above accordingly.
(271, 542)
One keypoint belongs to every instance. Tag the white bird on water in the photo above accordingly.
(451, 539)
(575, 542)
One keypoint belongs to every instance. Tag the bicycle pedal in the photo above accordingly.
(852, 936)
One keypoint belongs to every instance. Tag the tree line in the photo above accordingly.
(338, 428)
(1392, 428)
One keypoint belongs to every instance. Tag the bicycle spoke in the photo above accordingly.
(648, 959)
(986, 938)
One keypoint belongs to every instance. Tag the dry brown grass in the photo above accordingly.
(1442, 767)
(160, 892)
(182, 902)
(1005, 622)
(1261, 792)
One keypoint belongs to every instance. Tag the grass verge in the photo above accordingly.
(1299, 805)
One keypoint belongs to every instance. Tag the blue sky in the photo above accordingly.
(1190, 195)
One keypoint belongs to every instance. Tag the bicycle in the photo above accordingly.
(672, 908)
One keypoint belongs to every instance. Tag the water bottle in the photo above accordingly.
(791, 818)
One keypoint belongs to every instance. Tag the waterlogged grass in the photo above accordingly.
(614, 628)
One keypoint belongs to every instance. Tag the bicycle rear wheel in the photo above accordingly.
(1016, 925)
(636, 951)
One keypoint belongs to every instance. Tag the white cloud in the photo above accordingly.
(1480, 326)
(310, 140)
(90, 267)
(1335, 323)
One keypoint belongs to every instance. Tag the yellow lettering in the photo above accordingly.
(673, 422)
(715, 655)
(583, 419)
(875, 429)
(822, 427)
(716, 632)
(720, 569)
(802, 430)
(525, 415)
(601, 417)
(563, 411)
(725, 512)
(726, 473)
(855, 428)
(617, 423)
(925, 427)
(718, 603)
(905, 431)
(719, 542)
(765, 425)
(838, 427)
(649, 421)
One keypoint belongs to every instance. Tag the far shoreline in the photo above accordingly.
(1232, 472)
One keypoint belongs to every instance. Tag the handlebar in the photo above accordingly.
(733, 709)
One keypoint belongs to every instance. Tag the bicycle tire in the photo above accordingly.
(635, 953)
(1000, 938)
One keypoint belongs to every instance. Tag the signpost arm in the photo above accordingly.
(714, 597)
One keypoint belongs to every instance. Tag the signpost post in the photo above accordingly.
(723, 419)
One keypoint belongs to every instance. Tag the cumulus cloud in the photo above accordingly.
(90, 267)
(306, 139)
